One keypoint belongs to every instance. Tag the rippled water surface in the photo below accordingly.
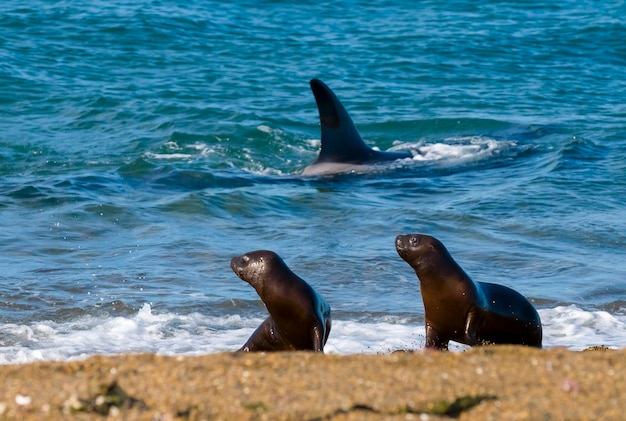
(143, 144)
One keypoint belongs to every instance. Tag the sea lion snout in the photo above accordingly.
(240, 265)
(236, 263)
(404, 244)
(254, 266)
(408, 240)
(400, 242)
(401, 245)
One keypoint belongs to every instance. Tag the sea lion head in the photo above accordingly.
(255, 267)
(419, 250)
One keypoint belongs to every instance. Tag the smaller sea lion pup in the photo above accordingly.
(459, 309)
(299, 317)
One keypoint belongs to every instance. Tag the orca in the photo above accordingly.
(342, 148)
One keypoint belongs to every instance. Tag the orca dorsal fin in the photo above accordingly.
(341, 141)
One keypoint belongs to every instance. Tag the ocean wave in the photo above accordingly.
(195, 333)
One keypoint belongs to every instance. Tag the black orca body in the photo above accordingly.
(342, 149)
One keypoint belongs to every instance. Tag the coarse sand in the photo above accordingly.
(485, 383)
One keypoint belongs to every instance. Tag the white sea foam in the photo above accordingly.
(275, 133)
(571, 327)
(313, 143)
(456, 149)
(177, 152)
(265, 129)
(178, 156)
(195, 334)
(166, 334)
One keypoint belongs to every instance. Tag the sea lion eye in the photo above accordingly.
(413, 241)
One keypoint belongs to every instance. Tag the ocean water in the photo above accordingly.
(145, 143)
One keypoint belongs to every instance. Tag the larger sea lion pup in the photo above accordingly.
(299, 316)
(459, 309)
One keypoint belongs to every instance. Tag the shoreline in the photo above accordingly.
(493, 382)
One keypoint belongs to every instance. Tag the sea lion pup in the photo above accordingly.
(299, 316)
(459, 309)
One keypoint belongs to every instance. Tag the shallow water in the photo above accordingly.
(143, 144)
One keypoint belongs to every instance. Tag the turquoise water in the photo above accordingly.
(143, 144)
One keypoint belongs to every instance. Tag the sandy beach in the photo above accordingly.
(489, 383)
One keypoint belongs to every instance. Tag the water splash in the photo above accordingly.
(194, 334)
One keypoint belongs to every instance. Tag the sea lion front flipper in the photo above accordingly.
(264, 338)
(318, 337)
(473, 325)
(434, 340)
(328, 326)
